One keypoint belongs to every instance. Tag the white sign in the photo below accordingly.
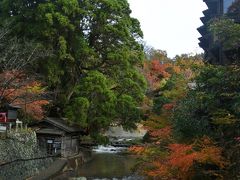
(49, 141)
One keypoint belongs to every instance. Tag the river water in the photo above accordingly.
(111, 163)
(108, 163)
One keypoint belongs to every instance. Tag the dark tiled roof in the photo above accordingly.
(62, 124)
(50, 131)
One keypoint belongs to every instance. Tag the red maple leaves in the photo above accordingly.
(180, 161)
(18, 89)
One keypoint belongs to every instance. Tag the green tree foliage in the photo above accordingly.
(212, 104)
(234, 11)
(158, 103)
(96, 56)
(190, 118)
(95, 105)
(128, 111)
(96, 90)
(77, 111)
(212, 109)
(226, 32)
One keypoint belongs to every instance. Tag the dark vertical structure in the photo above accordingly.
(208, 42)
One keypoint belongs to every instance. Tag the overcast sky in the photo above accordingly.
(170, 25)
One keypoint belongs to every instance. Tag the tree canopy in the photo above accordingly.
(96, 56)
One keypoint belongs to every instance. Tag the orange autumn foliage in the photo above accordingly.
(159, 68)
(180, 161)
(155, 71)
(137, 149)
(18, 89)
(211, 153)
(176, 69)
(163, 157)
(160, 170)
(35, 109)
(182, 157)
(162, 133)
(168, 106)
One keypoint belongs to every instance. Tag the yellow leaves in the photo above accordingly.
(223, 117)
(185, 63)
(157, 122)
(162, 83)
(229, 119)
(176, 69)
(35, 87)
(139, 150)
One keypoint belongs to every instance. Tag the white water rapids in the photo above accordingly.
(108, 149)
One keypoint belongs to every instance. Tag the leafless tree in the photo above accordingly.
(17, 54)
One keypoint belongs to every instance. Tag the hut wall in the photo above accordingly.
(70, 146)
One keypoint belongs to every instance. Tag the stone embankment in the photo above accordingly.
(20, 157)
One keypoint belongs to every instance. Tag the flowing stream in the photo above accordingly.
(109, 163)
(106, 163)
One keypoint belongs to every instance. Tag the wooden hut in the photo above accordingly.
(57, 137)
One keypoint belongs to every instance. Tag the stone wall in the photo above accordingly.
(21, 146)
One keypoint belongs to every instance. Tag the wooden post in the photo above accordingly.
(71, 144)
(62, 148)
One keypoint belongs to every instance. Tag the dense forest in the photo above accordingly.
(85, 60)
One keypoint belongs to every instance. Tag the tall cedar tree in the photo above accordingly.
(96, 59)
